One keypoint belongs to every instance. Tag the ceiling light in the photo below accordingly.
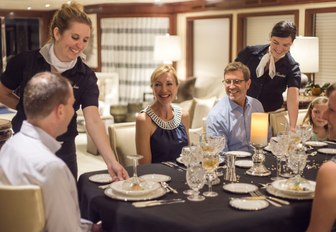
(29, 8)
(47, 5)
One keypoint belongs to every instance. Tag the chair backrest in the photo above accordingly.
(122, 140)
(21, 208)
(278, 121)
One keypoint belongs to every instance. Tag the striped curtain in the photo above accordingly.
(127, 47)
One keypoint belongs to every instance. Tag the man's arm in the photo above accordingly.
(292, 106)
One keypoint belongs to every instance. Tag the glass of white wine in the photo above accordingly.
(210, 163)
(195, 176)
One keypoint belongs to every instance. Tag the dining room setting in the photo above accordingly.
(187, 116)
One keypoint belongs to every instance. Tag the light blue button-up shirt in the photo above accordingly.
(234, 122)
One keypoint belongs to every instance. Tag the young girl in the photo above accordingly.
(314, 118)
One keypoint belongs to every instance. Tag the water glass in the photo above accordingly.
(195, 176)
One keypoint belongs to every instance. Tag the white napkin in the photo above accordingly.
(267, 58)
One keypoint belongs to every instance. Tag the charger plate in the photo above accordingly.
(152, 195)
(309, 188)
(271, 190)
(244, 204)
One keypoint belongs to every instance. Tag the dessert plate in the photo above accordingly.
(240, 187)
(103, 178)
(271, 190)
(117, 187)
(316, 144)
(239, 154)
(156, 177)
(328, 151)
(152, 195)
(244, 204)
(304, 189)
(244, 163)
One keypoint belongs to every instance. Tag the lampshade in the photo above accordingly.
(167, 48)
(305, 51)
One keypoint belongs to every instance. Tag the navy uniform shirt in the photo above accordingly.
(24, 66)
(269, 91)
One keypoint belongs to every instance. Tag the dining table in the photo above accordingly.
(211, 215)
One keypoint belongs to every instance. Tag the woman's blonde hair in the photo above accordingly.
(162, 69)
(319, 100)
(69, 13)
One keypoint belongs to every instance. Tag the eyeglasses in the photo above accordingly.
(234, 82)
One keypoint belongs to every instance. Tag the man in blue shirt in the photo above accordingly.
(231, 116)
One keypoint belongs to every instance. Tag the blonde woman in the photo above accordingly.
(314, 118)
(162, 128)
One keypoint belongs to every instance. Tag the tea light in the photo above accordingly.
(259, 128)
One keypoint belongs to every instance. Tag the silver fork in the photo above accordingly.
(281, 201)
(254, 194)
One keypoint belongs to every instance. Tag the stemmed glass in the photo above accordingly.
(189, 157)
(134, 183)
(196, 179)
(277, 148)
(210, 161)
(297, 162)
(305, 132)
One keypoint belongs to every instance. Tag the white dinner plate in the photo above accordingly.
(308, 188)
(151, 186)
(179, 160)
(244, 163)
(156, 177)
(244, 204)
(316, 144)
(328, 151)
(240, 187)
(239, 154)
(104, 178)
(271, 190)
(152, 195)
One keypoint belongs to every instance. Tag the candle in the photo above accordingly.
(259, 128)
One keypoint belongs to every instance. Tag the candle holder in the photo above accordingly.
(258, 158)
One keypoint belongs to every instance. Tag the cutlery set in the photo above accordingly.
(143, 204)
(174, 165)
(168, 188)
(257, 195)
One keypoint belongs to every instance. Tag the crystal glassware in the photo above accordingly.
(277, 150)
(195, 176)
(188, 156)
(134, 183)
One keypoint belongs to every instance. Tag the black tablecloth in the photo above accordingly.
(211, 215)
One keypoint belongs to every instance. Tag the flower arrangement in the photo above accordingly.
(316, 89)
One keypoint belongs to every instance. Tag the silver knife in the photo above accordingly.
(284, 202)
(156, 202)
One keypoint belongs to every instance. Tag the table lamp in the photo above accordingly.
(305, 51)
(167, 48)
(258, 139)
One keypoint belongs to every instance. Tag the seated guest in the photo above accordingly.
(314, 118)
(29, 156)
(162, 128)
(231, 116)
(323, 215)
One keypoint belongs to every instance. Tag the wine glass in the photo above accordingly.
(188, 157)
(196, 179)
(276, 146)
(297, 162)
(305, 132)
(134, 183)
(210, 162)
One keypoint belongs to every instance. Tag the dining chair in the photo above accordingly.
(122, 140)
(278, 121)
(21, 208)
